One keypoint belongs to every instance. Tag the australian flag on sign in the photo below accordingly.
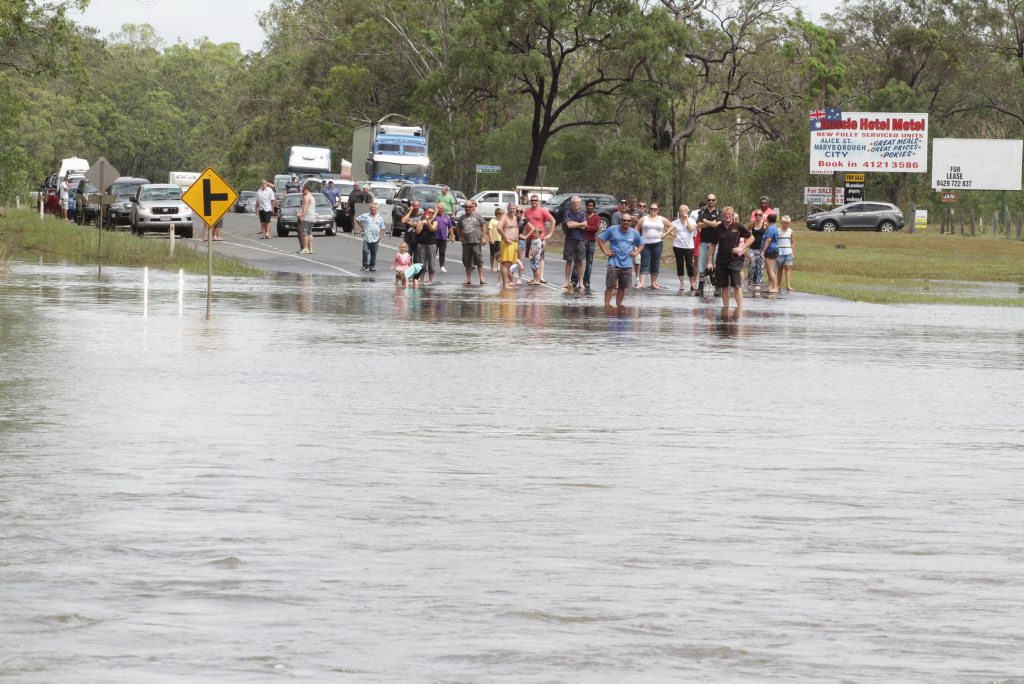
(815, 118)
(818, 116)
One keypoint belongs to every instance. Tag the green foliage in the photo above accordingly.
(609, 95)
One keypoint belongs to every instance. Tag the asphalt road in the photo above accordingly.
(341, 255)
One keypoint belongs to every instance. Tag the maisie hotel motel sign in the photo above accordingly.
(879, 142)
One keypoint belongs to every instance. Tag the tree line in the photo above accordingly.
(667, 99)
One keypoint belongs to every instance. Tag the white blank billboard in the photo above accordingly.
(974, 164)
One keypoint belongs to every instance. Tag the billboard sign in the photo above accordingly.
(880, 142)
(968, 164)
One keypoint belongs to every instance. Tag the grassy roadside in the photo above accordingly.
(898, 268)
(892, 268)
(21, 230)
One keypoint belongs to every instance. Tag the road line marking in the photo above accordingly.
(297, 256)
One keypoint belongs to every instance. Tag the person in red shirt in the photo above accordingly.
(541, 226)
(589, 244)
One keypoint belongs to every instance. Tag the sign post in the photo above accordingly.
(102, 174)
(483, 168)
(210, 197)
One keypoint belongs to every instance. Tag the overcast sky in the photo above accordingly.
(233, 21)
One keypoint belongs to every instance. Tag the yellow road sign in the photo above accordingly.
(210, 197)
(855, 178)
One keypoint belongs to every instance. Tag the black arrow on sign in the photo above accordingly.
(209, 198)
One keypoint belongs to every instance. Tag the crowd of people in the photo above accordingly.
(712, 247)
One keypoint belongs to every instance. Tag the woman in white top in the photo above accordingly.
(785, 258)
(682, 231)
(652, 229)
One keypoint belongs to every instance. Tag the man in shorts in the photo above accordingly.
(473, 238)
(574, 252)
(508, 230)
(304, 225)
(620, 244)
(265, 201)
(729, 245)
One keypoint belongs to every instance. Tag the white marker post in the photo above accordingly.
(209, 268)
(145, 291)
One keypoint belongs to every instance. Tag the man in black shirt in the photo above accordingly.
(729, 243)
(708, 219)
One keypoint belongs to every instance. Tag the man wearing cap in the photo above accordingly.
(292, 186)
(332, 194)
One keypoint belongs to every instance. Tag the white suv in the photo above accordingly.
(489, 200)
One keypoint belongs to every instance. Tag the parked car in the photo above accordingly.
(559, 204)
(880, 216)
(344, 188)
(426, 194)
(158, 207)
(87, 202)
(246, 202)
(287, 215)
(118, 214)
(489, 200)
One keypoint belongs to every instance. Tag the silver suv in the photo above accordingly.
(158, 207)
(858, 216)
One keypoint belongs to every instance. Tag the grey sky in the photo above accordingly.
(222, 21)
(234, 21)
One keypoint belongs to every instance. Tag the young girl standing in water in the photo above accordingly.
(403, 261)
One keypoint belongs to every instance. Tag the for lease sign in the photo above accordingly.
(969, 164)
(879, 142)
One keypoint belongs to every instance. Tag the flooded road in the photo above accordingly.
(332, 480)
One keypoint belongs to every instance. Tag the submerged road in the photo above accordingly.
(341, 255)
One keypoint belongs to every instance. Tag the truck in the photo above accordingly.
(183, 179)
(390, 152)
(304, 160)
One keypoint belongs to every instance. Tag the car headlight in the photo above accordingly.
(186, 211)
(145, 211)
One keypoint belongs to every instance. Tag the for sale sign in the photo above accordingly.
(882, 142)
(822, 195)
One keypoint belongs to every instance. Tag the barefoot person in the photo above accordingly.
(653, 229)
(508, 229)
(620, 244)
(729, 245)
(574, 252)
(785, 258)
(306, 218)
(770, 252)
(473, 239)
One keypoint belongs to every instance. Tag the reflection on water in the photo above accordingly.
(332, 477)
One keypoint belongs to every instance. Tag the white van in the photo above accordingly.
(183, 179)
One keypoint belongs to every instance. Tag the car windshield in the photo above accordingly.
(123, 189)
(428, 194)
(292, 200)
(280, 184)
(411, 170)
(161, 194)
(383, 193)
(88, 188)
(344, 188)
(247, 194)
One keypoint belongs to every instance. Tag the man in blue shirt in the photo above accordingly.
(332, 194)
(372, 224)
(574, 252)
(620, 244)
